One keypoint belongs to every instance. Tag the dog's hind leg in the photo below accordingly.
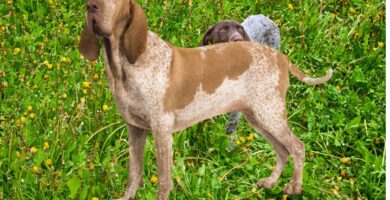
(271, 117)
(137, 138)
(281, 152)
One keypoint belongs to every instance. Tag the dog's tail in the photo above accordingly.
(308, 80)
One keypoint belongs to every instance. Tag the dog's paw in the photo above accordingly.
(266, 183)
(293, 188)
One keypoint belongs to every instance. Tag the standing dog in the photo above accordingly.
(163, 89)
(261, 30)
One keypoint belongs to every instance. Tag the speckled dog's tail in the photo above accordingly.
(308, 80)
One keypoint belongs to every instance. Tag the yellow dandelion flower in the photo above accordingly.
(345, 160)
(17, 122)
(16, 51)
(105, 108)
(352, 181)
(33, 150)
(250, 137)
(10, 1)
(46, 146)
(85, 91)
(29, 108)
(18, 154)
(339, 178)
(284, 197)
(32, 116)
(86, 85)
(238, 142)
(49, 162)
(343, 173)
(49, 66)
(290, 6)
(352, 10)
(50, 2)
(36, 169)
(242, 139)
(23, 119)
(154, 179)
(95, 198)
(381, 44)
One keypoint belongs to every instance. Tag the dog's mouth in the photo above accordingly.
(98, 31)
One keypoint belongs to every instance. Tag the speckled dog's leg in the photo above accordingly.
(137, 138)
(164, 154)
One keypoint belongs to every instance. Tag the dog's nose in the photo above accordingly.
(92, 7)
(237, 38)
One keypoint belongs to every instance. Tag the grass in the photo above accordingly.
(61, 136)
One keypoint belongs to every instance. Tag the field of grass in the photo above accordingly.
(61, 136)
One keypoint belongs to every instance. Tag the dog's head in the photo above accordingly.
(224, 31)
(119, 19)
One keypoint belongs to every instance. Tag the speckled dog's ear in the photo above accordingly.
(89, 43)
(207, 36)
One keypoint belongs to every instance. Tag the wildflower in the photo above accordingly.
(352, 181)
(29, 108)
(250, 137)
(242, 139)
(343, 173)
(381, 44)
(339, 178)
(154, 179)
(335, 190)
(16, 51)
(356, 34)
(338, 88)
(50, 2)
(352, 10)
(333, 15)
(36, 169)
(46, 146)
(105, 108)
(91, 166)
(33, 149)
(2, 118)
(96, 76)
(95, 198)
(32, 116)
(18, 154)
(49, 162)
(238, 142)
(345, 160)
(23, 119)
(284, 197)
(17, 122)
(49, 66)
(290, 6)
(86, 85)
(10, 1)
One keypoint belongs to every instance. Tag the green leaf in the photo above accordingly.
(73, 184)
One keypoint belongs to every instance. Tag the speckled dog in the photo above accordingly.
(255, 28)
(161, 88)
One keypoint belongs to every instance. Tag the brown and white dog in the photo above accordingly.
(163, 89)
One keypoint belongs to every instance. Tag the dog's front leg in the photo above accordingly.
(137, 138)
(164, 153)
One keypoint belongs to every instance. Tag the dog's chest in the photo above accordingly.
(138, 88)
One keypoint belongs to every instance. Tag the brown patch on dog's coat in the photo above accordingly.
(191, 71)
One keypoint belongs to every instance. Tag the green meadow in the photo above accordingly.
(61, 136)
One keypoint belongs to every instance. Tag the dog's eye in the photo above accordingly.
(222, 30)
(241, 29)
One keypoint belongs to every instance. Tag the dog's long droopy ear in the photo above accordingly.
(89, 44)
(206, 38)
(136, 33)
